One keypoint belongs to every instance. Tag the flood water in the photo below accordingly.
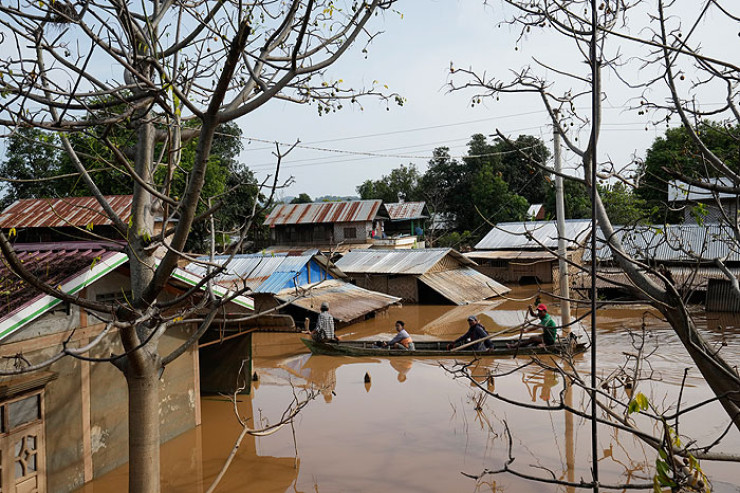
(416, 428)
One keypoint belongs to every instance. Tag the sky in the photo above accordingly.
(412, 57)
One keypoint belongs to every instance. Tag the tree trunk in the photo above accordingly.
(143, 428)
(720, 376)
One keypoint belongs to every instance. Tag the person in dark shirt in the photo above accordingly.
(475, 332)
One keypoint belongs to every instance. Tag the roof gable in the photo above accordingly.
(406, 211)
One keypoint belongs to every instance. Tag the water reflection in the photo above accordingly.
(402, 366)
(540, 384)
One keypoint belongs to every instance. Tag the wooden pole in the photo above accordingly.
(490, 336)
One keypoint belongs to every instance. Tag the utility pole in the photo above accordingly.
(562, 247)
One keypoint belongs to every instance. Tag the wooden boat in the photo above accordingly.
(438, 349)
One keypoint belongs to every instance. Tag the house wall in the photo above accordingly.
(714, 214)
(513, 272)
(403, 286)
(86, 406)
(576, 257)
(361, 231)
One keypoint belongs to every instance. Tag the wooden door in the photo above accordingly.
(22, 456)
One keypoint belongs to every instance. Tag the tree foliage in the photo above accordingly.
(303, 198)
(135, 94)
(494, 182)
(676, 155)
(401, 183)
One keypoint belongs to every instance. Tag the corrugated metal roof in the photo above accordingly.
(534, 235)
(672, 243)
(464, 285)
(511, 255)
(263, 273)
(53, 264)
(403, 211)
(249, 268)
(347, 302)
(685, 277)
(334, 248)
(453, 321)
(679, 191)
(56, 213)
(325, 212)
(412, 261)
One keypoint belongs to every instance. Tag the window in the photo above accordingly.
(350, 233)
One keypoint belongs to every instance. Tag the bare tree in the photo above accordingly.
(653, 63)
(165, 72)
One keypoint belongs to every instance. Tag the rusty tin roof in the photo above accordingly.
(70, 211)
(463, 285)
(405, 211)
(347, 302)
(326, 212)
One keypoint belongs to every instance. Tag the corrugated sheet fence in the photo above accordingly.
(721, 297)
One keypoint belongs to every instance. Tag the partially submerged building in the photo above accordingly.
(299, 284)
(68, 423)
(685, 252)
(525, 252)
(432, 275)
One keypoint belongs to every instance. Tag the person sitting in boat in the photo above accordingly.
(549, 330)
(324, 330)
(402, 340)
(475, 332)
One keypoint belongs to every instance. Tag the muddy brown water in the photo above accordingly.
(416, 428)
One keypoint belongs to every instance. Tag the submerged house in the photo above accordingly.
(431, 275)
(298, 283)
(68, 423)
(521, 252)
(685, 252)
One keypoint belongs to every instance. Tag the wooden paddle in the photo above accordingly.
(490, 336)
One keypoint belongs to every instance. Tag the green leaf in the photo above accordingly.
(633, 407)
(642, 401)
(12, 233)
(656, 485)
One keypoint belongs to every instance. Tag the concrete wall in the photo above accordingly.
(86, 406)
(361, 229)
